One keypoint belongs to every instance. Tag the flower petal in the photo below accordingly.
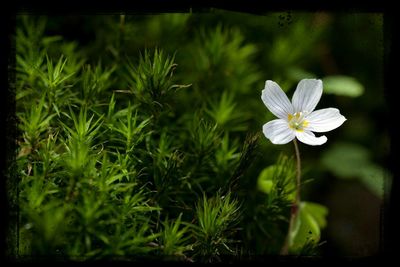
(276, 100)
(309, 138)
(307, 95)
(278, 132)
(324, 120)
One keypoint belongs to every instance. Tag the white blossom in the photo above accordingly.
(297, 119)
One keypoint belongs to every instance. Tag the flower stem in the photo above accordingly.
(296, 202)
(298, 171)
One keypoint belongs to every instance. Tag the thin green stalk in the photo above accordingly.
(298, 171)
(295, 205)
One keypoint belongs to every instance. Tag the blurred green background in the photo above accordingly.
(227, 56)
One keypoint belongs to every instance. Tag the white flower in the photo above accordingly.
(298, 119)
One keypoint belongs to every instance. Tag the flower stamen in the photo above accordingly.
(297, 122)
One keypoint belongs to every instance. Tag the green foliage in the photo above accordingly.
(204, 135)
(307, 227)
(278, 178)
(216, 218)
(222, 56)
(151, 82)
(95, 81)
(282, 176)
(35, 123)
(348, 161)
(342, 85)
(129, 129)
(267, 215)
(226, 157)
(54, 77)
(226, 113)
(124, 154)
(30, 52)
(54, 83)
(175, 237)
(84, 130)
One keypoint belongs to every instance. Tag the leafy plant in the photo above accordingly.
(216, 220)
(139, 135)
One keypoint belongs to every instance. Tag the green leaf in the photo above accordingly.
(264, 182)
(342, 85)
(277, 177)
(22, 94)
(348, 161)
(373, 177)
(318, 211)
(307, 228)
(345, 160)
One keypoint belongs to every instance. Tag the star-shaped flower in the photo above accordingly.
(298, 119)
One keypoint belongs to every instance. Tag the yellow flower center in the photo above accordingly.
(297, 121)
